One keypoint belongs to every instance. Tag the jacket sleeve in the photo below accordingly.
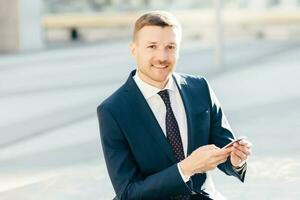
(221, 134)
(128, 181)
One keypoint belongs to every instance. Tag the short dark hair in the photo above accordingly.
(156, 18)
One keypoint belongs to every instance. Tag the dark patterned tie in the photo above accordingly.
(173, 133)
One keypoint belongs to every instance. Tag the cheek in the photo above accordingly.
(173, 60)
(173, 56)
(140, 58)
(147, 58)
(144, 56)
(144, 61)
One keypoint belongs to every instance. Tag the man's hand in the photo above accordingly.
(203, 159)
(240, 153)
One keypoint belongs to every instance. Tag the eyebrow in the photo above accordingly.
(151, 42)
(172, 43)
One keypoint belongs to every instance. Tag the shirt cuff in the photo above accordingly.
(184, 178)
(238, 169)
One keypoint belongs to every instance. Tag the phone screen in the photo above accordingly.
(234, 141)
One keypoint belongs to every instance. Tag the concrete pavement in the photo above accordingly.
(50, 146)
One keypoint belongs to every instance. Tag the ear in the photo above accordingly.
(133, 48)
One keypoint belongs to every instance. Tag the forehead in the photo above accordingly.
(158, 34)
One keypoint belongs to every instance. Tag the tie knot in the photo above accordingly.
(164, 94)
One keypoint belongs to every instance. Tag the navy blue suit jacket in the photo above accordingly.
(139, 158)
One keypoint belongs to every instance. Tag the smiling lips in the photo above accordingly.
(159, 66)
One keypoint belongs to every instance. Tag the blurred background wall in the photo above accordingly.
(111, 19)
(32, 24)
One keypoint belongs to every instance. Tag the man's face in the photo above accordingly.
(155, 50)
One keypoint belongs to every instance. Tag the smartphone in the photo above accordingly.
(234, 141)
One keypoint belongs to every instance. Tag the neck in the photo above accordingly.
(157, 84)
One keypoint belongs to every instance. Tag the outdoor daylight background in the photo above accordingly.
(59, 59)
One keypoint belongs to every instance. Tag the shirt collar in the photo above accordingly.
(149, 90)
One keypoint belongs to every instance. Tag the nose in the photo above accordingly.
(162, 55)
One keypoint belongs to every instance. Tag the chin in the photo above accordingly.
(161, 78)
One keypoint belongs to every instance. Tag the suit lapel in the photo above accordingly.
(143, 114)
(183, 90)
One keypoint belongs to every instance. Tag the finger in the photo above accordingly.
(223, 154)
(236, 156)
(208, 147)
(249, 152)
(240, 154)
(211, 146)
(237, 162)
(245, 143)
(244, 149)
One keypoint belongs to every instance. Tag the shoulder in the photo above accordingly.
(196, 86)
(113, 101)
(190, 80)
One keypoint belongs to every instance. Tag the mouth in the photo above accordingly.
(159, 66)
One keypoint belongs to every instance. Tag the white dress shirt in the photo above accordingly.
(158, 108)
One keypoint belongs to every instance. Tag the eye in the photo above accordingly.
(171, 47)
(152, 46)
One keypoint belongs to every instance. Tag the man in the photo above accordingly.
(161, 131)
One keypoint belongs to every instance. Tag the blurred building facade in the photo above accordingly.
(20, 25)
(29, 24)
(112, 19)
(58, 6)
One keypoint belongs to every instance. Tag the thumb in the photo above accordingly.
(208, 147)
